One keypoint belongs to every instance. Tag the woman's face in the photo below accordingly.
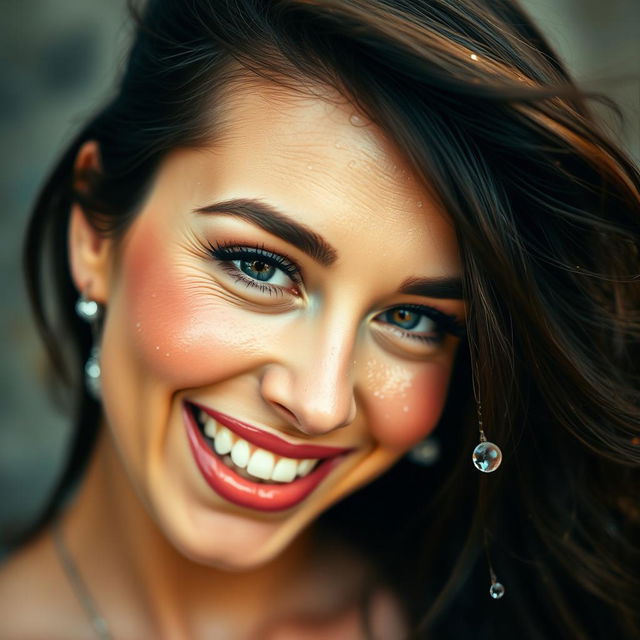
(288, 294)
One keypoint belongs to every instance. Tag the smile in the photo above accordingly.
(253, 468)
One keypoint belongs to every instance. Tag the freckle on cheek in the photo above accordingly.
(409, 403)
(157, 306)
(173, 341)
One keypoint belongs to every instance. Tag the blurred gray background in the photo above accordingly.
(58, 62)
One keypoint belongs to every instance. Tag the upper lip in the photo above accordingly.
(264, 440)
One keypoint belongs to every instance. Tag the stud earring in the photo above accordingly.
(87, 309)
(425, 453)
(91, 311)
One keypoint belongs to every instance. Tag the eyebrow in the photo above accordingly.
(442, 288)
(279, 224)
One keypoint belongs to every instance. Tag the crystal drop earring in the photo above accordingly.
(91, 312)
(486, 456)
(496, 590)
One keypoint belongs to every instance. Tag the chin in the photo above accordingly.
(229, 559)
(229, 541)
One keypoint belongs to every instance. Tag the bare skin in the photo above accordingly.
(296, 597)
(330, 358)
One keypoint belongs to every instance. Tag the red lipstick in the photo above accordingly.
(262, 496)
(268, 441)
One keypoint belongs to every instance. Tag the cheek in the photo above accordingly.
(179, 329)
(406, 402)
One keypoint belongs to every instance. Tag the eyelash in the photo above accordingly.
(445, 323)
(225, 254)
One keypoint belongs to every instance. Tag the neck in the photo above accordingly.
(142, 585)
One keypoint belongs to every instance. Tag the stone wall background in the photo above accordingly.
(58, 62)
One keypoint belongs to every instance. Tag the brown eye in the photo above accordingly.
(405, 318)
(417, 322)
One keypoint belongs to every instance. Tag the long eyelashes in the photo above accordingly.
(257, 267)
(444, 323)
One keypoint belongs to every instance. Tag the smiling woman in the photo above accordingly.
(306, 234)
(266, 313)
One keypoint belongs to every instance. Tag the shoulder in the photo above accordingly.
(35, 598)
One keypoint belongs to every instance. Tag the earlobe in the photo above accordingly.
(89, 249)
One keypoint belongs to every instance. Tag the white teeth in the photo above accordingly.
(305, 467)
(224, 441)
(261, 464)
(210, 427)
(240, 453)
(285, 470)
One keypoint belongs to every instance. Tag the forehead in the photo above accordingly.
(317, 158)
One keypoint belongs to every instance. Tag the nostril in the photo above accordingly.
(286, 412)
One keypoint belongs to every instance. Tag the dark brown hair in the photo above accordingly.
(547, 212)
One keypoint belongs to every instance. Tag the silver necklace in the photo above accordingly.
(78, 585)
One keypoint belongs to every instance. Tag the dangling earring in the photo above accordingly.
(487, 456)
(496, 590)
(92, 373)
(90, 311)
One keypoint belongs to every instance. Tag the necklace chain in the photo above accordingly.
(78, 585)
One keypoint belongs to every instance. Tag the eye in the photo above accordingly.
(258, 267)
(409, 320)
(415, 322)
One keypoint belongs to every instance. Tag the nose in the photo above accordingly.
(311, 385)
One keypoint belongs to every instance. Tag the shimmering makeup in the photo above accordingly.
(398, 393)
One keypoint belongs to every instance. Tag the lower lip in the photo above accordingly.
(244, 493)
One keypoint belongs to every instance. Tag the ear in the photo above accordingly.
(89, 250)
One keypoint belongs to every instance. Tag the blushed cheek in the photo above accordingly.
(406, 403)
(181, 334)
